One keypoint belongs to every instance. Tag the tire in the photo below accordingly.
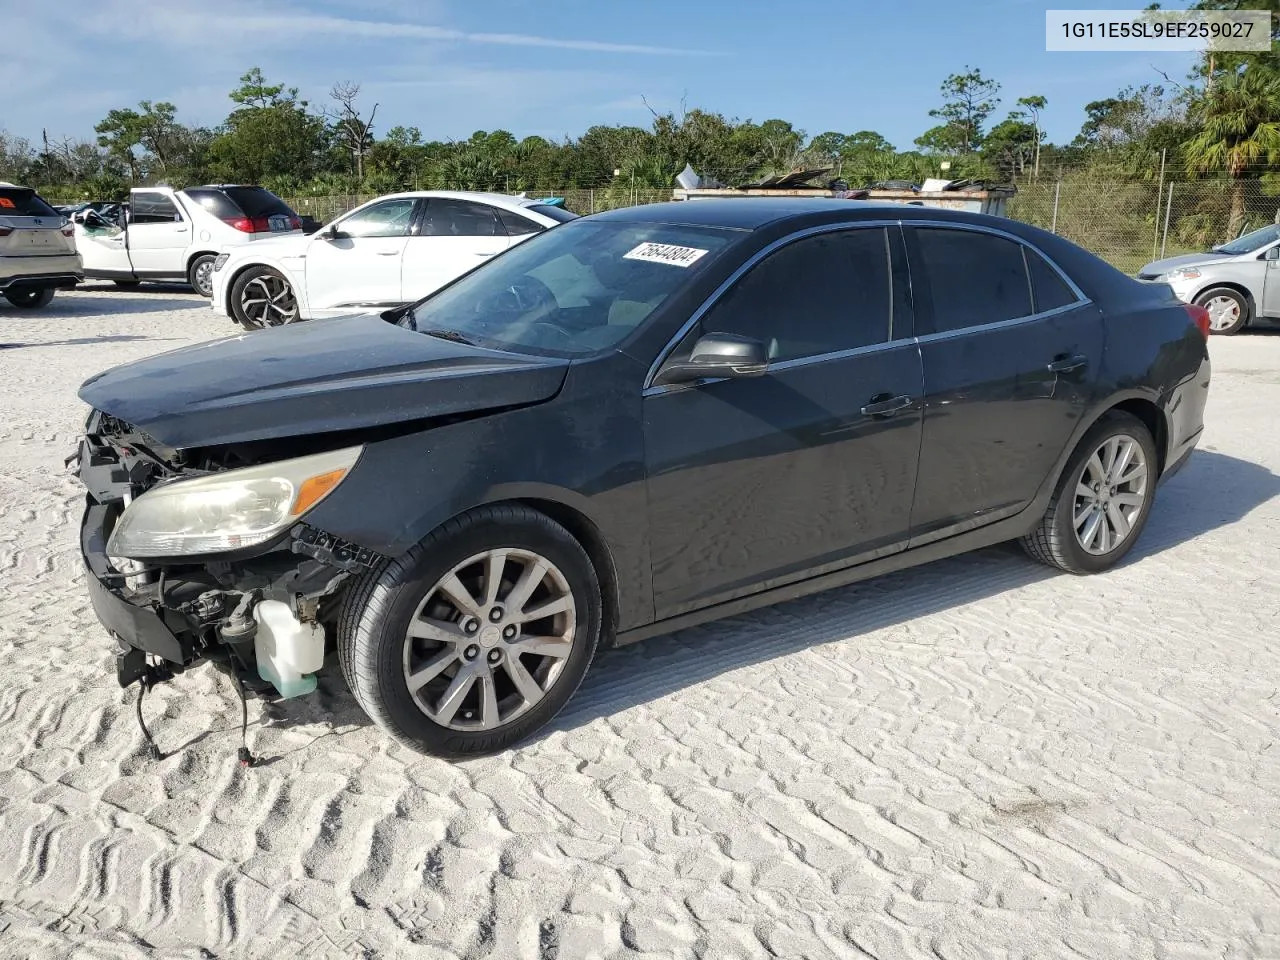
(378, 656)
(1058, 541)
(200, 274)
(1229, 313)
(272, 300)
(127, 284)
(30, 299)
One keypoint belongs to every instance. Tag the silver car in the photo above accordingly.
(37, 249)
(1237, 282)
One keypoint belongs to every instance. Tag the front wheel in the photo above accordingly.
(1103, 499)
(475, 638)
(1228, 310)
(30, 299)
(200, 274)
(262, 297)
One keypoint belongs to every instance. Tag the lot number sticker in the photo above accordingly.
(667, 253)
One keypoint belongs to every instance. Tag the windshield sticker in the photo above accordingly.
(667, 253)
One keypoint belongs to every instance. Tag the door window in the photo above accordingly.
(972, 278)
(152, 208)
(390, 218)
(516, 225)
(818, 295)
(460, 218)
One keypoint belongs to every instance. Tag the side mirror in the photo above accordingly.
(331, 232)
(717, 355)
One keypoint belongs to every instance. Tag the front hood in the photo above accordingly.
(292, 244)
(309, 378)
(1158, 267)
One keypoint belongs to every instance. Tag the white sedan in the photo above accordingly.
(392, 250)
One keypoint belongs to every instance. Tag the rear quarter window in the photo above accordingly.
(24, 202)
(216, 202)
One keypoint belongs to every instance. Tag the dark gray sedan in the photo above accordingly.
(632, 423)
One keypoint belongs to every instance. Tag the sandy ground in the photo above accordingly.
(978, 758)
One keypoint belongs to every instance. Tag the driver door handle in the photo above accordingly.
(883, 406)
(387, 253)
(1067, 364)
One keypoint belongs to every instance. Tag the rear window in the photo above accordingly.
(23, 202)
(559, 214)
(257, 202)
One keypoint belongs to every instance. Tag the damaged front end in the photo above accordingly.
(205, 554)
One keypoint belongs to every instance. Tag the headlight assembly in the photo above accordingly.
(220, 261)
(227, 511)
(1181, 273)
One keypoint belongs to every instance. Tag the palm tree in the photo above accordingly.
(1239, 121)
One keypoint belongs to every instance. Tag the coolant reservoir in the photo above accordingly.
(288, 651)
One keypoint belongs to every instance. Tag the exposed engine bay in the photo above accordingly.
(259, 613)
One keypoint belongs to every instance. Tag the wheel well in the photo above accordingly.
(197, 255)
(1150, 415)
(587, 534)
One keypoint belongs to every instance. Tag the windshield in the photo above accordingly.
(1251, 241)
(574, 290)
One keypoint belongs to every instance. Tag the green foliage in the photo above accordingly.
(968, 100)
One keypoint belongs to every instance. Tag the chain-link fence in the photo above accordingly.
(1130, 223)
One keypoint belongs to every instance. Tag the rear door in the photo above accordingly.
(158, 235)
(763, 480)
(360, 267)
(1010, 351)
(452, 237)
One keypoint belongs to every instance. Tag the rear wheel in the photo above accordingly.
(262, 297)
(1103, 499)
(200, 274)
(475, 638)
(30, 299)
(1228, 310)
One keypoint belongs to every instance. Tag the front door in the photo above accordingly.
(359, 267)
(453, 237)
(1010, 353)
(1269, 268)
(757, 481)
(158, 235)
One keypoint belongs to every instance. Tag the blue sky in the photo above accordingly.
(550, 67)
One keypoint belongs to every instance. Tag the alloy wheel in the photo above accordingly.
(203, 278)
(1224, 312)
(490, 639)
(268, 301)
(1110, 494)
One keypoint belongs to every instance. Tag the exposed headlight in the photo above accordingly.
(1181, 273)
(227, 511)
(220, 261)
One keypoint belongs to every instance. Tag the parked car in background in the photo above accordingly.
(1237, 282)
(37, 249)
(389, 251)
(176, 234)
(634, 422)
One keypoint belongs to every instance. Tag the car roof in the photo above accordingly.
(749, 213)
(493, 199)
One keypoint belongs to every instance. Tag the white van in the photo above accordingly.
(175, 235)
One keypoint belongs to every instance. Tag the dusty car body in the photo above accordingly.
(672, 424)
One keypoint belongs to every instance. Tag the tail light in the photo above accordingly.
(1200, 317)
(243, 224)
(295, 223)
(68, 230)
(5, 231)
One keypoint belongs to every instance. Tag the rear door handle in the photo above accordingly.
(881, 406)
(387, 253)
(1067, 364)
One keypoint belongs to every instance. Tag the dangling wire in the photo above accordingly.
(144, 684)
(246, 758)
